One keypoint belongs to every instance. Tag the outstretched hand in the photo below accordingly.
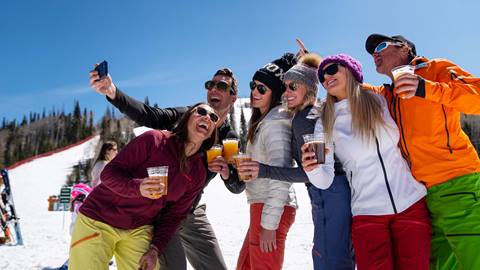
(302, 50)
(104, 86)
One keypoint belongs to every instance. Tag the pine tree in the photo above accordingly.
(24, 120)
(243, 130)
(233, 123)
(147, 102)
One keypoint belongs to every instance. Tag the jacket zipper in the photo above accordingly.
(386, 178)
(403, 143)
(446, 130)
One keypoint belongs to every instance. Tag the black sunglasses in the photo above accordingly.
(220, 85)
(262, 89)
(292, 86)
(203, 112)
(330, 70)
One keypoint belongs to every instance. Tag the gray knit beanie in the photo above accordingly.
(303, 74)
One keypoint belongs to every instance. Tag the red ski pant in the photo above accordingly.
(398, 241)
(251, 257)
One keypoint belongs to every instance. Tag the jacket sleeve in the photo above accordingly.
(145, 115)
(322, 177)
(233, 183)
(377, 89)
(461, 92)
(117, 175)
(168, 220)
(276, 137)
(291, 175)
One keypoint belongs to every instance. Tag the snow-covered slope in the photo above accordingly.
(46, 233)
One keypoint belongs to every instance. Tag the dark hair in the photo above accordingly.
(181, 133)
(108, 145)
(229, 73)
(257, 116)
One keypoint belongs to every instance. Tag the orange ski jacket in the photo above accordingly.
(431, 138)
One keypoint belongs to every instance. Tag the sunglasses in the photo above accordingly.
(203, 112)
(383, 45)
(292, 86)
(262, 89)
(330, 70)
(220, 85)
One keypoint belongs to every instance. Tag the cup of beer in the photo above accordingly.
(316, 144)
(238, 159)
(158, 174)
(230, 148)
(214, 152)
(400, 70)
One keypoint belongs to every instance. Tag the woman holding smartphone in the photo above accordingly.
(391, 227)
(123, 216)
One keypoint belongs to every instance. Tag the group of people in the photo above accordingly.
(398, 188)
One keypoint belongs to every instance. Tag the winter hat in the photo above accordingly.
(347, 61)
(78, 189)
(305, 72)
(272, 73)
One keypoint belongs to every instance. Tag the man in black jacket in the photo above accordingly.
(195, 239)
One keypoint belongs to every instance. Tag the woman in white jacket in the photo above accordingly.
(272, 202)
(391, 227)
(108, 151)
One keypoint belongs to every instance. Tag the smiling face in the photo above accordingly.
(336, 84)
(295, 97)
(218, 99)
(200, 125)
(390, 57)
(261, 101)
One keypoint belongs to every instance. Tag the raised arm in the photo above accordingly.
(139, 112)
(461, 90)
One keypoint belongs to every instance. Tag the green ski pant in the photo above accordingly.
(455, 210)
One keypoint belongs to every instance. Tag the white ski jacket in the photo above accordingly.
(272, 146)
(380, 180)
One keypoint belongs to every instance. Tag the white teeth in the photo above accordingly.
(203, 125)
(290, 98)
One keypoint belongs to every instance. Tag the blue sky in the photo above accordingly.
(167, 49)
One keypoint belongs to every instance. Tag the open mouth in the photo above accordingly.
(331, 83)
(215, 99)
(202, 127)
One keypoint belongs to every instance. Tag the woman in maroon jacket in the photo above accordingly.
(122, 217)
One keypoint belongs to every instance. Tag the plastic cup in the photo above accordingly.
(400, 70)
(230, 148)
(316, 144)
(214, 152)
(159, 174)
(239, 158)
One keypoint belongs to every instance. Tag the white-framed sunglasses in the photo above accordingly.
(383, 45)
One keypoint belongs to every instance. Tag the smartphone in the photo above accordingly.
(102, 69)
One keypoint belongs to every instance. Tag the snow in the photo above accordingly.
(46, 234)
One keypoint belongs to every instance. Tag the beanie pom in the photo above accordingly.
(289, 58)
(311, 60)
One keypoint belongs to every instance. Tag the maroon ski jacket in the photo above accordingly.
(117, 200)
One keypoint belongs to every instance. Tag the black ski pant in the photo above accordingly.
(196, 241)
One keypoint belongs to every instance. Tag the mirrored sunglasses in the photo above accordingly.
(383, 45)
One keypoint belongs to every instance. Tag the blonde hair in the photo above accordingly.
(365, 108)
(312, 61)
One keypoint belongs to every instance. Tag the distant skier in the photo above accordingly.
(79, 193)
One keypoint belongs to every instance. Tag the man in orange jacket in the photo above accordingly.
(439, 153)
